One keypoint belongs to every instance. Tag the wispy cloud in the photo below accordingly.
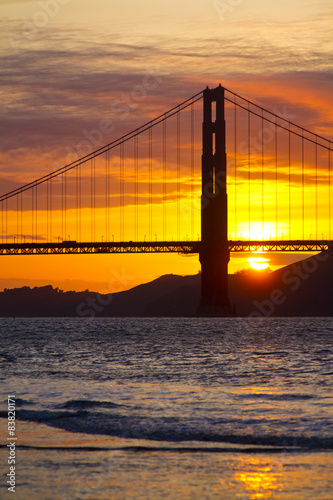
(65, 81)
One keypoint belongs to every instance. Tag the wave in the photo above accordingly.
(85, 403)
(277, 397)
(19, 402)
(7, 358)
(173, 429)
(154, 448)
(268, 353)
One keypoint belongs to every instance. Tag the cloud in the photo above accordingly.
(65, 81)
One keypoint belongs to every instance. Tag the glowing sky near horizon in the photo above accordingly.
(63, 64)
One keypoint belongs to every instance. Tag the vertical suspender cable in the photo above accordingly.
(276, 181)
(164, 179)
(62, 206)
(80, 202)
(36, 198)
(289, 163)
(249, 164)
(192, 172)
(107, 195)
(6, 220)
(17, 218)
(2, 222)
(47, 210)
(122, 192)
(91, 201)
(77, 201)
(235, 161)
(150, 183)
(21, 228)
(32, 214)
(51, 208)
(120, 197)
(94, 198)
(329, 191)
(262, 176)
(316, 161)
(136, 186)
(65, 204)
(178, 176)
(303, 187)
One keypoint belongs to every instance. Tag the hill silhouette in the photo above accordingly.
(301, 289)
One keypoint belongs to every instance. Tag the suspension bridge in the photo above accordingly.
(163, 188)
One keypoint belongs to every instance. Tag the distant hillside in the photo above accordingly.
(301, 289)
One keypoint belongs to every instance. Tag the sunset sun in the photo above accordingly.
(258, 263)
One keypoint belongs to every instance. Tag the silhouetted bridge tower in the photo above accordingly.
(278, 180)
(214, 250)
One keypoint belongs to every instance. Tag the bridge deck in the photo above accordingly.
(184, 247)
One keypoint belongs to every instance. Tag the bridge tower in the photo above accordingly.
(214, 253)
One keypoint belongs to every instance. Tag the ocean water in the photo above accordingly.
(208, 408)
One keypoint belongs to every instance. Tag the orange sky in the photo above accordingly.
(67, 69)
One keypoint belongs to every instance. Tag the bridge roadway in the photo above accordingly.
(182, 247)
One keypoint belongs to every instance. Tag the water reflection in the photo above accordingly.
(258, 478)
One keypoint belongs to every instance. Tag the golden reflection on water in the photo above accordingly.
(257, 477)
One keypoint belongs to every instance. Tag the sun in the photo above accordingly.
(258, 263)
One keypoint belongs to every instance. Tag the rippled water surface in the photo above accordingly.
(170, 408)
